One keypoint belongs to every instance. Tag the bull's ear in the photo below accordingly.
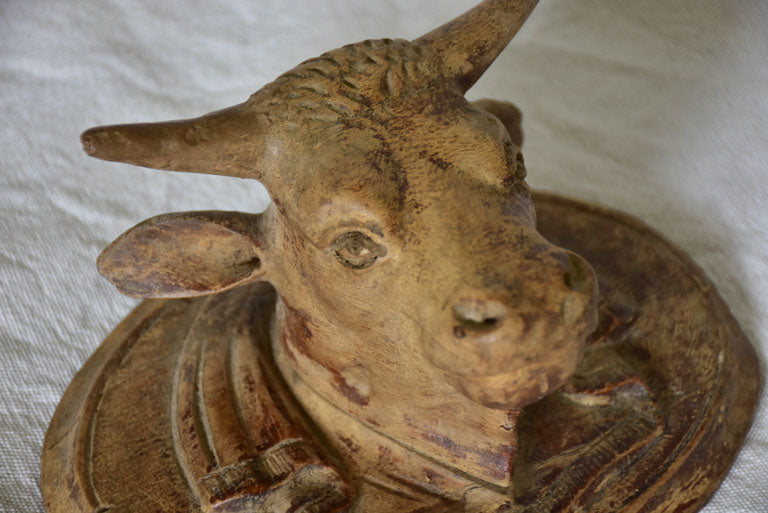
(185, 254)
(509, 115)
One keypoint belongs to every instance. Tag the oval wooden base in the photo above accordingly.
(183, 409)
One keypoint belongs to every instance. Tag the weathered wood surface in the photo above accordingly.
(422, 346)
(183, 408)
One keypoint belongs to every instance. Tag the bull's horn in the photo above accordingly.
(226, 142)
(470, 43)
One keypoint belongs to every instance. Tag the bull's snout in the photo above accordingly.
(508, 346)
(478, 317)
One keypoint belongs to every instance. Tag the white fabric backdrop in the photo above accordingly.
(657, 108)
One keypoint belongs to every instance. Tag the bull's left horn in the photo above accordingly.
(226, 142)
(470, 43)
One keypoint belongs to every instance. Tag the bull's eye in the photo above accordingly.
(356, 250)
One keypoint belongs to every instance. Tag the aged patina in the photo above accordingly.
(399, 330)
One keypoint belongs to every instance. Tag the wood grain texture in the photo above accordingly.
(427, 341)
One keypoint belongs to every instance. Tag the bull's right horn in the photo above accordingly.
(226, 142)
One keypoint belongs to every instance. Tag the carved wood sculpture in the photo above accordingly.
(419, 345)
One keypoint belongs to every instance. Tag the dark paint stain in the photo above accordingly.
(439, 162)
(385, 455)
(351, 445)
(250, 384)
(350, 392)
(497, 463)
(446, 443)
(383, 162)
(189, 373)
(297, 324)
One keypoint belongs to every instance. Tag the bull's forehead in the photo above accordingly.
(448, 207)
(407, 167)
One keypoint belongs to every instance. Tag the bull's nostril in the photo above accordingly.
(577, 274)
(477, 316)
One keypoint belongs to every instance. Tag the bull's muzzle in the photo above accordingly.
(509, 348)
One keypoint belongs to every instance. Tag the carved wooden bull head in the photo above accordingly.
(401, 238)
